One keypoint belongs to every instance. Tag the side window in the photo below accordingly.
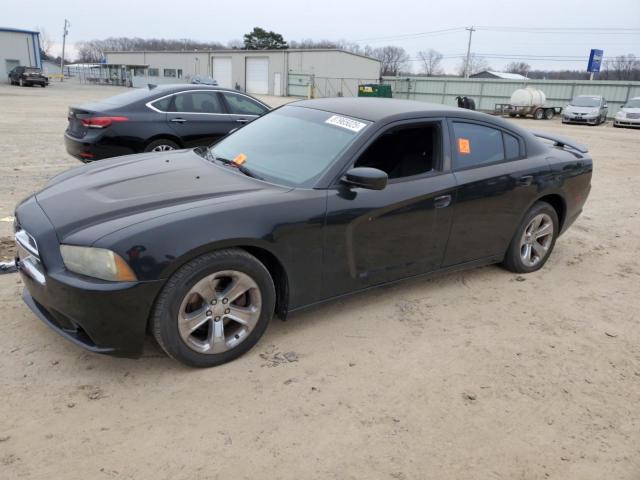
(164, 104)
(241, 105)
(405, 151)
(511, 147)
(197, 102)
(476, 145)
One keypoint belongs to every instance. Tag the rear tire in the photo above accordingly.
(549, 113)
(198, 317)
(161, 145)
(534, 240)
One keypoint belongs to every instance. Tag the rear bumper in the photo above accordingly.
(88, 149)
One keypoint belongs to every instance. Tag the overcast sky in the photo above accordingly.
(365, 21)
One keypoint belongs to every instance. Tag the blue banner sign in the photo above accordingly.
(595, 60)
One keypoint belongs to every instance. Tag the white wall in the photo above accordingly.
(24, 47)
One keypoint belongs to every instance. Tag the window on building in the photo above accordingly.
(179, 73)
(405, 151)
(197, 102)
(169, 72)
(476, 145)
(138, 71)
(241, 105)
(154, 72)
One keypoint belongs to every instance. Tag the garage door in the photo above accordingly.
(258, 75)
(222, 71)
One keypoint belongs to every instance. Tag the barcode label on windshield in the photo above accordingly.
(345, 122)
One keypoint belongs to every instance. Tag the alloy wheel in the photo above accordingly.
(536, 240)
(162, 148)
(219, 312)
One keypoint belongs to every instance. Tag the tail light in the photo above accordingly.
(101, 122)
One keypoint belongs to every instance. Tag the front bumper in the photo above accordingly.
(627, 122)
(103, 317)
(584, 120)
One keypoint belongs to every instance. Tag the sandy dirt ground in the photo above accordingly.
(475, 375)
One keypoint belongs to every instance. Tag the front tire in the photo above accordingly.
(214, 308)
(538, 114)
(161, 145)
(534, 240)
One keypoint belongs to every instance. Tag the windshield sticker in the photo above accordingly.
(464, 146)
(240, 159)
(346, 122)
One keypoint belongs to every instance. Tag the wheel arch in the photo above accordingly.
(166, 136)
(559, 204)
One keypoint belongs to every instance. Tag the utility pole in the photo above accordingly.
(65, 32)
(466, 65)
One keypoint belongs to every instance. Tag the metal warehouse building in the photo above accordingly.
(18, 47)
(267, 72)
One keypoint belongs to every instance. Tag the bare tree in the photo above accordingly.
(477, 64)
(394, 59)
(523, 68)
(46, 43)
(235, 44)
(431, 60)
(623, 67)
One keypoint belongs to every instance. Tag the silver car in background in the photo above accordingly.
(590, 109)
(629, 114)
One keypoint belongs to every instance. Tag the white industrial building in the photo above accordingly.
(18, 47)
(330, 72)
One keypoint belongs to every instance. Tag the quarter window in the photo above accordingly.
(197, 102)
(164, 104)
(476, 145)
(511, 147)
(241, 105)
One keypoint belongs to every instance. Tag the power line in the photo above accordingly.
(411, 35)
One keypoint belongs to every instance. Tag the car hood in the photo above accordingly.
(148, 183)
(574, 109)
(631, 110)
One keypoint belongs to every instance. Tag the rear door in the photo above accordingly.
(496, 184)
(199, 117)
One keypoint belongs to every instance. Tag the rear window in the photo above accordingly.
(127, 98)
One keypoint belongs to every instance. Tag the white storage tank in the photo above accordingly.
(528, 97)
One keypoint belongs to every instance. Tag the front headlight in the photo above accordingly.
(620, 115)
(96, 262)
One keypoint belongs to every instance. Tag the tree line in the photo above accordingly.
(394, 59)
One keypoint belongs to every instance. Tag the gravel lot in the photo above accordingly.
(476, 375)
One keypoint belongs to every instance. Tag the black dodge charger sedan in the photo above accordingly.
(313, 201)
(156, 119)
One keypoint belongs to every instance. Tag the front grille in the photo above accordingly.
(633, 115)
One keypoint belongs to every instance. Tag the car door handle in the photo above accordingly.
(242, 120)
(525, 181)
(442, 201)
(178, 120)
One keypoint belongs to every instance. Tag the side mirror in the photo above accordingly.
(365, 177)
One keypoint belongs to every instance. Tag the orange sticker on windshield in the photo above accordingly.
(464, 147)
(240, 159)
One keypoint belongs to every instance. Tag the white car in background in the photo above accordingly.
(629, 114)
(588, 109)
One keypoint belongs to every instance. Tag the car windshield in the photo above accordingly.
(633, 103)
(585, 102)
(292, 145)
(32, 70)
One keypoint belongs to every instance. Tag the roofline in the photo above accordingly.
(18, 30)
(242, 50)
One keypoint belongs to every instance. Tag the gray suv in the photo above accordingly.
(590, 109)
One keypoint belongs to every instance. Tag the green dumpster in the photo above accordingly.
(374, 90)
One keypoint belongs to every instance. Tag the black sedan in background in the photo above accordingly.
(156, 119)
(313, 201)
(28, 77)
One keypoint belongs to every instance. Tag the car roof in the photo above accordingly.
(168, 88)
(376, 109)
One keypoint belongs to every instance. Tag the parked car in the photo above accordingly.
(157, 118)
(590, 109)
(313, 201)
(203, 80)
(27, 77)
(629, 114)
